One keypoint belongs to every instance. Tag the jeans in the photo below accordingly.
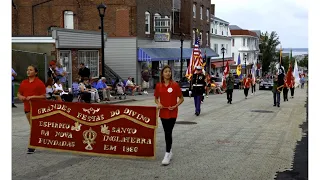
(246, 91)
(276, 98)
(253, 88)
(197, 103)
(292, 92)
(285, 93)
(168, 125)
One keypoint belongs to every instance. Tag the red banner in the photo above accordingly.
(94, 129)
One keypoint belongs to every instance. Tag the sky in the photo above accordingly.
(289, 18)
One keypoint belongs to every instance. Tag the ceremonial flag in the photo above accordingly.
(225, 73)
(280, 55)
(195, 59)
(253, 72)
(296, 74)
(289, 74)
(239, 67)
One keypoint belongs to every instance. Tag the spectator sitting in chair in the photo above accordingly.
(85, 88)
(50, 91)
(102, 86)
(132, 86)
(58, 90)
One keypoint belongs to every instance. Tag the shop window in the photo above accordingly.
(91, 60)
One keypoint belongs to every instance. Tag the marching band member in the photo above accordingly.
(197, 87)
(247, 84)
(166, 96)
(285, 90)
(276, 93)
(230, 86)
(292, 86)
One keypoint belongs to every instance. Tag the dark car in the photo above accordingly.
(184, 85)
(236, 81)
(266, 84)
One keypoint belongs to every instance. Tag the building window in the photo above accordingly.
(147, 23)
(221, 48)
(68, 20)
(200, 39)
(90, 58)
(207, 38)
(227, 48)
(194, 10)
(215, 28)
(215, 48)
(162, 25)
(201, 12)
(232, 54)
(208, 15)
(156, 23)
(227, 29)
(232, 42)
(193, 36)
(212, 30)
(244, 42)
(248, 42)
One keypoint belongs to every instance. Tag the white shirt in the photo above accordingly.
(129, 83)
(58, 87)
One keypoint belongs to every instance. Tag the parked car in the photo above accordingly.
(237, 82)
(184, 85)
(266, 84)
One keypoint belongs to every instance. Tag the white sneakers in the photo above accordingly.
(145, 92)
(167, 158)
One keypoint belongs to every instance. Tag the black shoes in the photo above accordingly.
(274, 105)
(14, 106)
(31, 151)
(197, 114)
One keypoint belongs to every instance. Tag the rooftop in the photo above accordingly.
(234, 27)
(216, 18)
(243, 32)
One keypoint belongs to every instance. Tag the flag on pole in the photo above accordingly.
(296, 74)
(253, 72)
(239, 67)
(225, 73)
(280, 55)
(195, 59)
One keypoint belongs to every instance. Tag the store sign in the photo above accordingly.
(162, 37)
(94, 129)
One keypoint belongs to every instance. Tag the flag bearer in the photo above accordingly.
(292, 86)
(285, 90)
(197, 87)
(246, 84)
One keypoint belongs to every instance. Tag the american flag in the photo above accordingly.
(195, 59)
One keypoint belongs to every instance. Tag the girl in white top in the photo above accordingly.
(84, 87)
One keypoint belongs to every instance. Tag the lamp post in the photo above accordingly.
(181, 51)
(102, 10)
(223, 51)
(245, 64)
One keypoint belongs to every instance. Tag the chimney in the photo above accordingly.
(212, 9)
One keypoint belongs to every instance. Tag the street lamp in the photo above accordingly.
(245, 63)
(102, 10)
(223, 51)
(181, 51)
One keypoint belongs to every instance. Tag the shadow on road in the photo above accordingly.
(300, 163)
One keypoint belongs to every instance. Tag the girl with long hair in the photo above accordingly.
(31, 88)
(166, 96)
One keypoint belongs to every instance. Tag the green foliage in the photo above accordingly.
(268, 48)
(303, 62)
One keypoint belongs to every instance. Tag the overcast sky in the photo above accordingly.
(289, 18)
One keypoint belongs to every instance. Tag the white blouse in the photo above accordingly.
(58, 87)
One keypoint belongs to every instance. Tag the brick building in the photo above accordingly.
(138, 31)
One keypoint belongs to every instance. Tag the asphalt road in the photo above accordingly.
(249, 140)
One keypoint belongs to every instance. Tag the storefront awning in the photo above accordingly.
(161, 54)
(219, 64)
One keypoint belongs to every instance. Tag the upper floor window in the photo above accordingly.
(193, 36)
(156, 23)
(212, 30)
(244, 42)
(215, 48)
(200, 38)
(68, 20)
(208, 15)
(207, 38)
(194, 10)
(201, 12)
(162, 25)
(147, 22)
(226, 49)
(232, 42)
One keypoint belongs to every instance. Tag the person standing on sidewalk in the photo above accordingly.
(166, 96)
(246, 84)
(13, 75)
(253, 85)
(197, 87)
(31, 88)
(230, 86)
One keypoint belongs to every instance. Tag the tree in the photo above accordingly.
(303, 62)
(268, 48)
